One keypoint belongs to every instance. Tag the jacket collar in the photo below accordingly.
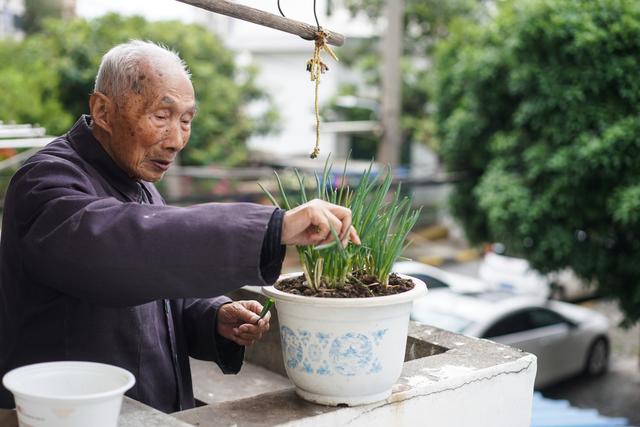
(82, 140)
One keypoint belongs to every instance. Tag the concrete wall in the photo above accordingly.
(448, 380)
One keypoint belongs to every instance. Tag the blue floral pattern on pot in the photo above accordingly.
(323, 353)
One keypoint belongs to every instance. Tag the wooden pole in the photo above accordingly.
(266, 19)
(391, 143)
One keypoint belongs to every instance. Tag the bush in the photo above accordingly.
(539, 109)
(47, 79)
(425, 23)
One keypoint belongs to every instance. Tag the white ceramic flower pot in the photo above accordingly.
(344, 350)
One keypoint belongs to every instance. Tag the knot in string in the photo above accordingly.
(316, 68)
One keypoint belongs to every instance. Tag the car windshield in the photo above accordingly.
(442, 320)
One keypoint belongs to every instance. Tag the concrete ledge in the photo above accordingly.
(453, 380)
(447, 380)
(474, 382)
(136, 414)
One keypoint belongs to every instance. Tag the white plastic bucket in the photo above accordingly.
(69, 394)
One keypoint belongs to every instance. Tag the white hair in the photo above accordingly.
(121, 68)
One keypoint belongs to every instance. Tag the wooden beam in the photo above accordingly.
(266, 19)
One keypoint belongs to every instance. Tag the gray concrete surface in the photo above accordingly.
(210, 385)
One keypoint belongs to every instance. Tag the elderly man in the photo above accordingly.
(96, 267)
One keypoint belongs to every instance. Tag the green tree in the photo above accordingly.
(539, 109)
(48, 77)
(425, 22)
(37, 11)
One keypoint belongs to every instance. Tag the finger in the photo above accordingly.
(339, 211)
(343, 220)
(353, 235)
(252, 329)
(337, 224)
(345, 223)
(332, 222)
(248, 333)
(252, 305)
(263, 323)
(318, 230)
(249, 337)
(243, 314)
(328, 240)
(345, 240)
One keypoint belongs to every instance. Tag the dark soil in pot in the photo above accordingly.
(359, 286)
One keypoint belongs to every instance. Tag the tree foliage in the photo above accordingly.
(37, 11)
(47, 78)
(539, 108)
(425, 23)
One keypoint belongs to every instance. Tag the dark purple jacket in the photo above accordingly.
(95, 267)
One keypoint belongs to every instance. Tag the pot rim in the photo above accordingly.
(419, 289)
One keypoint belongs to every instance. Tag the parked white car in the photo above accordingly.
(436, 278)
(504, 273)
(514, 275)
(566, 338)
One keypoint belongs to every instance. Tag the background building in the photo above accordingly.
(10, 13)
(282, 58)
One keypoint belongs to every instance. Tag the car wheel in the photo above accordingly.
(598, 358)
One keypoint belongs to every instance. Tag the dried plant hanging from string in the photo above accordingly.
(316, 68)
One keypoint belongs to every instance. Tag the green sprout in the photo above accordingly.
(265, 308)
(381, 224)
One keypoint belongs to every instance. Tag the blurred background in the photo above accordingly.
(514, 124)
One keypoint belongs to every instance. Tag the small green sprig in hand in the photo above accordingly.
(265, 308)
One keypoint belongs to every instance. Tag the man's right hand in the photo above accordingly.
(308, 224)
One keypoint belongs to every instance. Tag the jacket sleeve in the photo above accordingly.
(116, 253)
(200, 317)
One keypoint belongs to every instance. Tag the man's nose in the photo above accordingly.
(176, 138)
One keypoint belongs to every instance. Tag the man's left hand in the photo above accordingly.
(237, 322)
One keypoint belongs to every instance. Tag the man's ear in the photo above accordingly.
(102, 110)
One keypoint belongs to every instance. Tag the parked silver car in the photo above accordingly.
(566, 338)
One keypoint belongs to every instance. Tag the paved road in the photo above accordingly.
(616, 393)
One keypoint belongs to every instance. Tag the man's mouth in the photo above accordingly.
(163, 165)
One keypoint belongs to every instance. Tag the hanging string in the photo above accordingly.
(279, 9)
(315, 13)
(316, 67)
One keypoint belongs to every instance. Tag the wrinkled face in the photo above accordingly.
(153, 123)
